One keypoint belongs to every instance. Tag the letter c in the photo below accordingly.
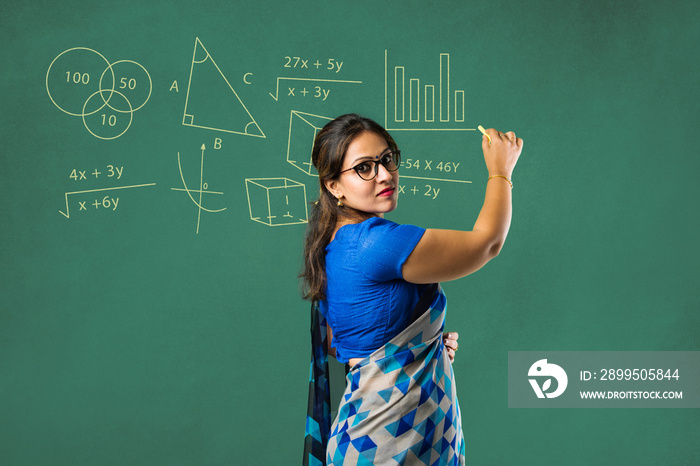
(244, 78)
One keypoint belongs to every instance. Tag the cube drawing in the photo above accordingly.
(303, 128)
(276, 201)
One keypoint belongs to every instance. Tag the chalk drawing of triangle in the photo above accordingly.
(211, 101)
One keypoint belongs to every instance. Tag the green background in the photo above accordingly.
(127, 337)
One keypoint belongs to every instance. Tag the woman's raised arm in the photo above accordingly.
(443, 255)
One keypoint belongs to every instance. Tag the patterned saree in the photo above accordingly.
(400, 403)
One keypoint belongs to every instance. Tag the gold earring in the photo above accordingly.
(340, 203)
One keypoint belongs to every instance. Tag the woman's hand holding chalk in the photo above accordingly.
(481, 128)
(502, 155)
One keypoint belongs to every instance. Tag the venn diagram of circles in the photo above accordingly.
(83, 83)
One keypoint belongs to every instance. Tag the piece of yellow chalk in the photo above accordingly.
(481, 128)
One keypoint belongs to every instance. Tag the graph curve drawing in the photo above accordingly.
(211, 102)
(203, 189)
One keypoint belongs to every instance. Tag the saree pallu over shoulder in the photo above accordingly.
(400, 403)
(318, 419)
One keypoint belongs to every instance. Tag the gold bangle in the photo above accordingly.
(504, 177)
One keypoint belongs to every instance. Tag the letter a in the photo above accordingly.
(174, 86)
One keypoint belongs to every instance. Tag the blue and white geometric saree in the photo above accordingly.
(399, 406)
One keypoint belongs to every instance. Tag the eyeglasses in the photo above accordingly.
(369, 169)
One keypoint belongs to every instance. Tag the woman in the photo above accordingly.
(377, 305)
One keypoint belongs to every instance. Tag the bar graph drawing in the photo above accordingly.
(414, 105)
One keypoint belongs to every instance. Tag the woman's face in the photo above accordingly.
(375, 196)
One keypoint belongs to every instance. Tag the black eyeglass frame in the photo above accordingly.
(396, 158)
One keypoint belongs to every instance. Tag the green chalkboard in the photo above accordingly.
(156, 181)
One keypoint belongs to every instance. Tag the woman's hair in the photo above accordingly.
(327, 156)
